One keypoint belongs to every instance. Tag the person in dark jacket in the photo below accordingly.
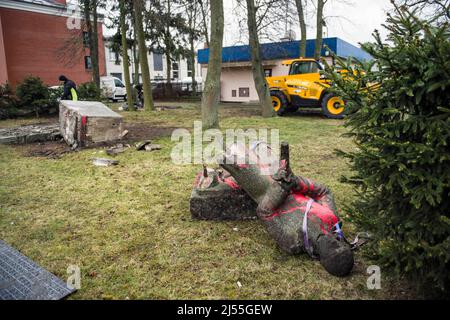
(70, 89)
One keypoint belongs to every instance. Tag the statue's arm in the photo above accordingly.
(317, 191)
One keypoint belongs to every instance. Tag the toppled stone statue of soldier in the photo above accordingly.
(299, 214)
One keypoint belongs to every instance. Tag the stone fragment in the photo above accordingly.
(120, 148)
(29, 134)
(140, 146)
(101, 162)
(152, 147)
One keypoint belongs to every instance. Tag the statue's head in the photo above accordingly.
(335, 255)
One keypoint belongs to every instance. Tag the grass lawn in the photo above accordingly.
(129, 227)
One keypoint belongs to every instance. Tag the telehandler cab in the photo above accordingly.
(304, 87)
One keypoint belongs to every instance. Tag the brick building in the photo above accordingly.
(35, 40)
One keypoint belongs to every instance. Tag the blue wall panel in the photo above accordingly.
(346, 50)
(285, 50)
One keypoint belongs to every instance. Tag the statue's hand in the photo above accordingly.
(286, 179)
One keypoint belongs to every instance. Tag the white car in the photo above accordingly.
(113, 88)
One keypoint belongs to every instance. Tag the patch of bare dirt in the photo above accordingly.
(137, 132)
(239, 111)
(51, 150)
(146, 131)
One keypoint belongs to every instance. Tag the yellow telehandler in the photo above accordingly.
(304, 87)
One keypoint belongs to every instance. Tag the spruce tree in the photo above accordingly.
(399, 111)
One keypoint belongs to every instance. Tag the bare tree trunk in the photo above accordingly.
(135, 55)
(205, 25)
(136, 68)
(138, 7)
(89, 9)
(211, 93)
(192, 12)
(94, 51)
(192, 62)
(301, 19)
(257, 67)
(168, 87)
(319, 37)
(136, 62)
(126, 63)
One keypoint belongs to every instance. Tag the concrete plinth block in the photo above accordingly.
(221, 206)
(213, 199)
(87, 123)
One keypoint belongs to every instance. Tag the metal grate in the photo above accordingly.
(22, 279)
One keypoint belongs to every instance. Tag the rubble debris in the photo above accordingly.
(30, 134)
(120, 148)
(147, 146)
(140, 146)
(163, 108)
(124, 134)
(101, 162)
(152, 147)
(87, 123)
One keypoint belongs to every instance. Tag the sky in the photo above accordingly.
(351, 20)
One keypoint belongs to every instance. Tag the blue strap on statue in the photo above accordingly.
(339, 231)
(308, 246)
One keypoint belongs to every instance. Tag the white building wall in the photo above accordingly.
(115, 69)
(240, 82)
(236, 79)
(240, 76)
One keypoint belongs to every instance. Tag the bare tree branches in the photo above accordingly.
(273, 19)
(436, 11)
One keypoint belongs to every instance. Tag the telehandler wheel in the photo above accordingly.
(279, 101)
(333, 107)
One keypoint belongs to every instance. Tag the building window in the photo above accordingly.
(88, 62)
(175, 70)
(268, 72)
(157, 62)
(189, 68)
(85, 39)
(244, 92)
(234, 93)
(117, 75)
(117, 62)
(111, 54)
(114, 56)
